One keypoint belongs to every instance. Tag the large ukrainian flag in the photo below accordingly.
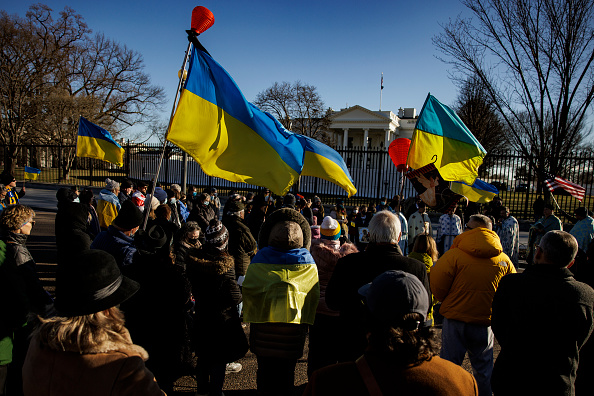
(440, 137)
(95, 142)
(234, 140)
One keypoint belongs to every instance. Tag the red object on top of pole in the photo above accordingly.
(202, 19)
(398, 151)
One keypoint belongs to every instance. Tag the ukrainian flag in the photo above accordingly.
(31, 173)
(95, 142)
(234, 140)
(441, 138)
(480, 191)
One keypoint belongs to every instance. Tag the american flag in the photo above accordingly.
(576, 190)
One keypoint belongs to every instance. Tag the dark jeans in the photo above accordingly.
(275, 376)
(210, 377)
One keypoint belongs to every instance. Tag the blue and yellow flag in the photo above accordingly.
(441, 138)
(480, 191)
(234, 140)
(31, 173)
(95, 142)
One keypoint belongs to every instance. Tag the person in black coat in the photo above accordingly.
(202, 212)
(156, 315)
(218, 336)
(355, 270)
(546, 356)
(71, 229)
(242, 245)
(22, 296)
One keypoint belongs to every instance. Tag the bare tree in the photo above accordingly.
(477, 111)
(76, 75)
(298, 107)
(31, 49)
(534, 58)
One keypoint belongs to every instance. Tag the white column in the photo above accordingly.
(365, 147)
(387, 141)
(345, 140)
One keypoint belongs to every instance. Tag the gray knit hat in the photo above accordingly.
(111, 184)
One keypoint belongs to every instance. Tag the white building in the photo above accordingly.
(357, 126)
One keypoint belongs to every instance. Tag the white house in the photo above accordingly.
(357, 126)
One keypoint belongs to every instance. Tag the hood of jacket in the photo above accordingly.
(330, 251)
(281, 215)
(72, 215)
(208, 263)
(111, 343)
(479, 242)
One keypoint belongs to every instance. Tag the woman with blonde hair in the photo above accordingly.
(425, 250)
(86, 349)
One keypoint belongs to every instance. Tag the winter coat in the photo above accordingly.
(71, 225)
(435, 376)
(202, 215)
(465, 278)
(254, 222)
(116, 243)
(326, 254)
(242, 245)
(547, 355)
(281, 279)
(218, 335)
(165, 293)
(114, 367)
(21, 290)
(354, 271)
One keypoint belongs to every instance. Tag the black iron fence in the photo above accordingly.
(372, 170)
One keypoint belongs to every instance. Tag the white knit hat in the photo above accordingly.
(330, 229)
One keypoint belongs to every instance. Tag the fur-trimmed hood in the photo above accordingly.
(330, 251)
(210, 263)
(282, 215)
(116, 342)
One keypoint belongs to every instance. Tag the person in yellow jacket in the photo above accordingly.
(465, 279)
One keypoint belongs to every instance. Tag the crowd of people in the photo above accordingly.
(154, 284)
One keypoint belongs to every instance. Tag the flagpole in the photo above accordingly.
(177, 93)
(381, 90)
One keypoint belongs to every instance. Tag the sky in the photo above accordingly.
(340, 47)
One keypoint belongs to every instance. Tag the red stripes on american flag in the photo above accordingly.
(574, 189)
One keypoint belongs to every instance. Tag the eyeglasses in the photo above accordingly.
(467, 227)
(32, 222)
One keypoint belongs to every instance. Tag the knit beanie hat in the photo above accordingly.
(129, 216)
(160, 194)
(217, 235)
(330, 229)
(235, 206)
(111, 184)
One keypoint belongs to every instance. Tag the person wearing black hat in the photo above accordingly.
(165, 294)
(86, 349)
(289, 201)
(9, 181)
(118, 239)
(242, 245)
(402, 354)
(218, 336)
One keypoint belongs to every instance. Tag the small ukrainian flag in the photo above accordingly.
(31, 173)
(95, 142)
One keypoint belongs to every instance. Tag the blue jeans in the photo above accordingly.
(457, 338)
